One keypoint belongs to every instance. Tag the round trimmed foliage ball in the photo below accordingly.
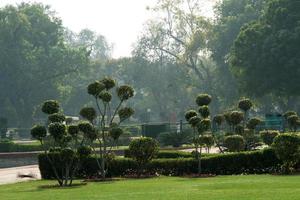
(50, 107)
(67, 154)
(234, 143)
(204, 125)
(95, 88)
(125, 113)
(287, 147)
(84, 151)
(204, 111)
(227, 117)
(105, 96)
(108, 83)
(194, 121)
(143, 149)
(268, 136)
(189, 114)
(88, 113)
(289, 113)
(57, 130)
(115, 133)
(57, 117)
(293, 121)
(236, 117)
(239, 129)
(88, 130)
(206, 140)
(253, 123)
(125, 92)
(38, 132)
(245, 104)
(203, 99)
(219, 119)
(73, 130)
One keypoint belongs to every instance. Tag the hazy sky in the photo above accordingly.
(120, 21)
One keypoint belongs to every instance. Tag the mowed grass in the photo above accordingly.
(254, 187)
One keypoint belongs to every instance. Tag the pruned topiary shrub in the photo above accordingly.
(234, 143)
(287, 149)
(143, 150)
(268, 136)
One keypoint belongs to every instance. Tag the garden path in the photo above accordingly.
(13, 175)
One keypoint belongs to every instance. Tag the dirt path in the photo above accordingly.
(11, 175)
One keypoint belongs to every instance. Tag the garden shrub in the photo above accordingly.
(234, 143)
(175, 139)
(10, 146)
(287, 149)
(268, 136)
(143, 150)
(254, 162)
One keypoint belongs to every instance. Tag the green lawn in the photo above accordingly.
(261, 187)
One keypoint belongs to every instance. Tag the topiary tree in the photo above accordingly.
(200, 123)
(207, 141)
(234, 143)
(103, 118)
(287, 149)
(293, 122)
(236, 118)
(65, 143)
(253, 123)
(268, 136)
(3, 127)
(143, 150)
(218, 120)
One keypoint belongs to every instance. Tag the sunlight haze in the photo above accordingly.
(118, 20)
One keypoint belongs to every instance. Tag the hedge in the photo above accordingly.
(170, 154)
(9, 146)
(255, 162)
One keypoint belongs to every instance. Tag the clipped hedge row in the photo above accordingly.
(170, 154)
(9, 146)
(262, 161)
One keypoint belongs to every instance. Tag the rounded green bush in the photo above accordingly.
(115, 133)
(219, 119)
(143, 149)
(88, 130)
(287, 147)
(245, 104)
(125, 92)
(253, 122)
(95, 88)
(57, 130)
(125, 113)
(204, 111)
(204, 125)
(268, 136)
(108, 83)
(38, 132)
(73, 130)
(289, 113)
(84, 151)
(206, 140)
(67, 154)
(50, 107)
(234, 143)
(57, 117)
(189, 114)
(105, 96)
(194, 121)
(203, 99)
(236, 117)
(88, 113)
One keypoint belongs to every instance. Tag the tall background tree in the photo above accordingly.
(266, 57)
